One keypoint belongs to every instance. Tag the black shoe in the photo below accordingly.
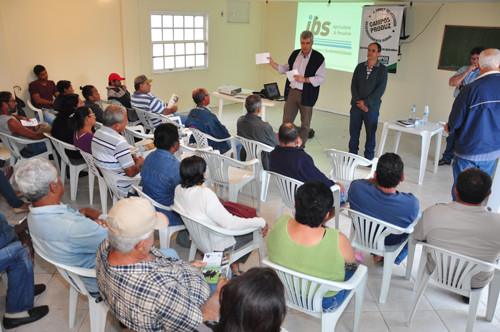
(34, 314)
(183, 239)
(39, 289)
(443, 162)
(311, 133)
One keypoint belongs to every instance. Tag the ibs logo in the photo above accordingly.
(316, 27)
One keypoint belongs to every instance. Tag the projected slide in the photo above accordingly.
(336, 29)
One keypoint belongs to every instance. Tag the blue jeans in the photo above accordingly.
(20, 292)
(332, 302)
(449, 151)
(459, 164)
(34, 149)
(8, 192)
(370, 119)
(49, 115)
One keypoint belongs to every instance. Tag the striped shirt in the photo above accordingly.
(111, 151)
(148, 102)
(163, 294)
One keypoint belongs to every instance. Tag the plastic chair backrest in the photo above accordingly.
(288, 187)
(144, 119)
(343, 164)
(370, 233)
(111, 178)
(152, 201)
(89, 160)
(61, 147)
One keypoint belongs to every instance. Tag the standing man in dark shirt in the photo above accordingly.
(367, 87)
(303, 92)
(42, 93)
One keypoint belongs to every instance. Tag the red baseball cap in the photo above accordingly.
(115, 76)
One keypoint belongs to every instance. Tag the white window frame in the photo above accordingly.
(169, 50)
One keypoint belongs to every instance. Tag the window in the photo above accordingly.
(179, 41)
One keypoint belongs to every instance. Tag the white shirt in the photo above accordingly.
(300, 64)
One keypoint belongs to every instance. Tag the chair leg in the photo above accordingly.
(280, 211)
(97, 315)
(411, 256)
(358, 303)
(164, 235)
(192, 251)
(103, 193)
(265, 186)
(233, 193)
(91, 187)
(493, 291)
(474, 301)
(420, 292)
(386, 275)
(63, 171)
(73, 299)
(73, 181)
(421, 267)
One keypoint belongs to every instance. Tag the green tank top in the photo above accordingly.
(322, 260)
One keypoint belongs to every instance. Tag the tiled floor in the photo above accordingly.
(437, 311)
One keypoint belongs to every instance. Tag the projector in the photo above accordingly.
(229, 90)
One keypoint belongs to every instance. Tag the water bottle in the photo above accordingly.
(426, 115)
(413, 112)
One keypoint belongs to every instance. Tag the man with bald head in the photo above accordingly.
(475, 119)
(205, 121)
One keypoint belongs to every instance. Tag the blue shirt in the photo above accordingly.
(399, 209)
(160, 175)
(467, 80)
(147, 101)
(67, 237)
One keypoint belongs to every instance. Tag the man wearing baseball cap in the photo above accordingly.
(145, 289)
(117, 91)
(144, 100)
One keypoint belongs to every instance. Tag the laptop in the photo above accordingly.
(273, 92)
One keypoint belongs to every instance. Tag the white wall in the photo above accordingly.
(418, 81)
(85, 40)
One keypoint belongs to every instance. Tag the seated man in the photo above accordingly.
(10, 125)
(117, 91)
(143, 288)
(64, 235)
(465, 226)
(205, 121)
(144, 100)
(378, 197)
(111, 150)
(16, 258)
(252, 127)
(42, 93)
(160, 171)
(290, 160)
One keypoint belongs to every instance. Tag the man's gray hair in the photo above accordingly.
(253, 103)
(113, 114)
(307, 34)
(34, 178)
(489, 58)
(124, 244)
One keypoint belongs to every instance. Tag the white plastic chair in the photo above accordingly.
(72, 274)
(12, 143)
(112, 180)
(93, 173)
(230, 173)
(288, 187)
(166, 233)
(368, 234)
(254, 150)
(74, 169)
(38, 112)
(305, 293)
(453, 272)
(343, 165)
(202, 141)
(199, 232)
(145, 119)
(132, 132)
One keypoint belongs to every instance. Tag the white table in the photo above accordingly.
(240, 98)
(425, 131)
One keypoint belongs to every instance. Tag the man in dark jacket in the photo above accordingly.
(367, 87)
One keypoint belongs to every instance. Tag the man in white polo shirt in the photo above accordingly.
(110, 149)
